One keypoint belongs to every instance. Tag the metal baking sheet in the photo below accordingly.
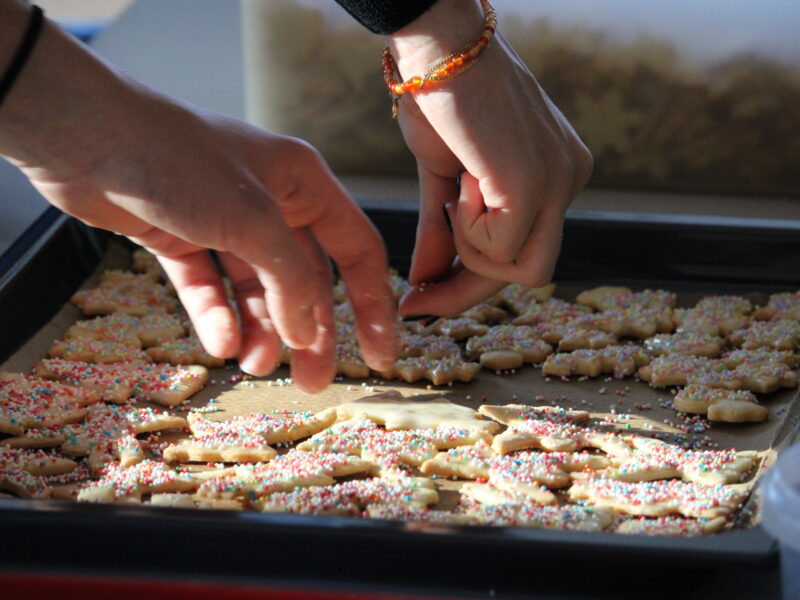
(285, 545)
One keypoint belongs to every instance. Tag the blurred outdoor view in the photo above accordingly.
(668, 94)
(682, 95)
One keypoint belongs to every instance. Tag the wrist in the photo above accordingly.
(446, 27)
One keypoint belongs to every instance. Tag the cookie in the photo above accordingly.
(687, 342)
(659, 498)
(245, 438)
(605, 297)
(634, 321)
(352, 497)
(654, 460)
(678, 369)
(550, 428)
(165, 384)
(608, 297)
(404, 514)
(130, 484)
(734, 358)
(21, 410)
(146, 263)
(178, 500)
(150, 330)
(761, 377)
(43, 390)
(515, 472)
(782, 334)
(670, 526)
(765, 377)
(519, 298)
(286, 473)
(22, 471)
(728, 406)
(553, 310)
(621, 361)
(107, 434)
(485, 313)
(428, 346)
(393, 411)
(126, 293)
(391, 451)
(514, 512)
(92, 351)
(184, 351)
(439, 371)
(577, 334)
(714, 315)
(784, 305)
(483, 493)
(116, 328)
(459, 328)
(519, 339)
(158, 327)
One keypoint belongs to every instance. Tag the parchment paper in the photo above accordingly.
(634, 405)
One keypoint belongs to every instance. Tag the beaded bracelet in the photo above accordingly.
(448, 67)
(23, 52)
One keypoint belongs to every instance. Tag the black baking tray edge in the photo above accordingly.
(57, 254)
(40, 271)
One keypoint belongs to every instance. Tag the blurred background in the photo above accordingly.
(670, 96)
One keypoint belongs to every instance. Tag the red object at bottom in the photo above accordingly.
(68, 587)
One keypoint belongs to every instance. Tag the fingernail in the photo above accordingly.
(447, 218)
(410, 318)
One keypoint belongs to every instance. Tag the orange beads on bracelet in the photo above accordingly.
(448, 67)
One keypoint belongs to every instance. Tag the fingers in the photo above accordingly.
(317, 201)
(533, 263)
(451, 296)
(314, 367)
(434, 249)
(496, 227)
(536, 261)
(260, 345)
(199, 286)
(259, 236)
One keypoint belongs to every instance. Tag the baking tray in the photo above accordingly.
(681, 253)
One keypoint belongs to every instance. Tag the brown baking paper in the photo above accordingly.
(631, 405)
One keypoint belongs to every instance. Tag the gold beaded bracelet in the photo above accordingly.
(448, 67)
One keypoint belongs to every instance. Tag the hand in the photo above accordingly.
(520, 161)
(179, 181)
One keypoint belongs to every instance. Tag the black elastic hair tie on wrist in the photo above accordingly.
(23, 52)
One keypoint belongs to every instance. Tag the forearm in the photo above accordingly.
(54, 117)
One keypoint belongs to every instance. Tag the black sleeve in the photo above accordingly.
(385, 16)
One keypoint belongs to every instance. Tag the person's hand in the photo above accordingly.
(179, 181)
(519, 162)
